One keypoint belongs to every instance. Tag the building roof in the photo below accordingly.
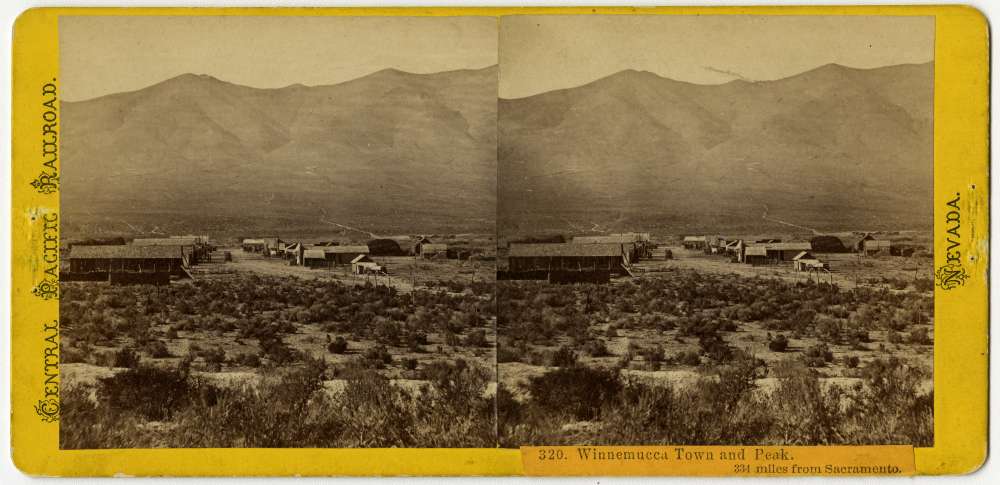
(804, 255)
(610, 239)
(313, 254)
(694, 238)
(126, 252)
(877, 243)
(755, 251)
(254, 241)
(433, 247)
(360, 259)
(789, 246)
(164, 241)
(345, 249)
(564, 250)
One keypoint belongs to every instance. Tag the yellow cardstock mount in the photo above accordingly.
(961, 151)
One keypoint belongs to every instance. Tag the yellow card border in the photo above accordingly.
(961, 165)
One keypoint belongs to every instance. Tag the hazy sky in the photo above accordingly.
(542, 53)
(104, 55)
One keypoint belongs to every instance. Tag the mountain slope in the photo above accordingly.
(832, 148)
(392, 151)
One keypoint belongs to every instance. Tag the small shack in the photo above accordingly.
(755, 255)
(874, 247)
(432, 250)
(363, 265)
(254, 245)
(314, 258)
(806, 261)
(694, 242)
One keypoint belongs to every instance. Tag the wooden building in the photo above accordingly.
(363, 265)
(774, 253)
(254, 245)
(806, 261)
(567, 262)
(193, 250)
(755, 255)
(637, 244)
(872, 247)
(694, 242)
(314, 258)
(344, 254)
(432, 250)
(125, 264)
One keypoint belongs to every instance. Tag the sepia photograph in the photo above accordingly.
(715, 230)
(278, 231)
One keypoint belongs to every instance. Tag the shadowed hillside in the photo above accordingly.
(831, 148)
(389, 152)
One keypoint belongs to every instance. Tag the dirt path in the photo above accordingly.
(779, 221)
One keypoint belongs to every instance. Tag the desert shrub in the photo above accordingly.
(476, 338)
(276, 351)
(126, 357)
(851, 361)
(151, 392)
(337, 346)
(564, 356)
(778, 343)
(377, 356)
(804, 411)
(596, 348)
(71, 355)
(687, 357)
(893, 337)
(918, 336)
(715, 348)
(579, 392)
(409, 363)
(214, 355)
(247, 360)
(653, 356)
(156, 349)
(817, 355)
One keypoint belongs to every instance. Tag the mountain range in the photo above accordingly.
(834, 148)
(384, 153)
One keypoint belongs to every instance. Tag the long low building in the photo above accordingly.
(127, 263)
(567, 262)
(343, 254)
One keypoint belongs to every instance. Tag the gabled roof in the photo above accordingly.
(755, 251)
(164, 241)
(564, 250)
(694, 238)
(126, 252)
(433, 247)
(804, 255)
(313, 254)
(345, 249)
(254, 241)
(360, 258)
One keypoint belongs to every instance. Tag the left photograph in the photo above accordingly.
(278, 231)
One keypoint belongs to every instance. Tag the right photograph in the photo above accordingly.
(715, 230)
